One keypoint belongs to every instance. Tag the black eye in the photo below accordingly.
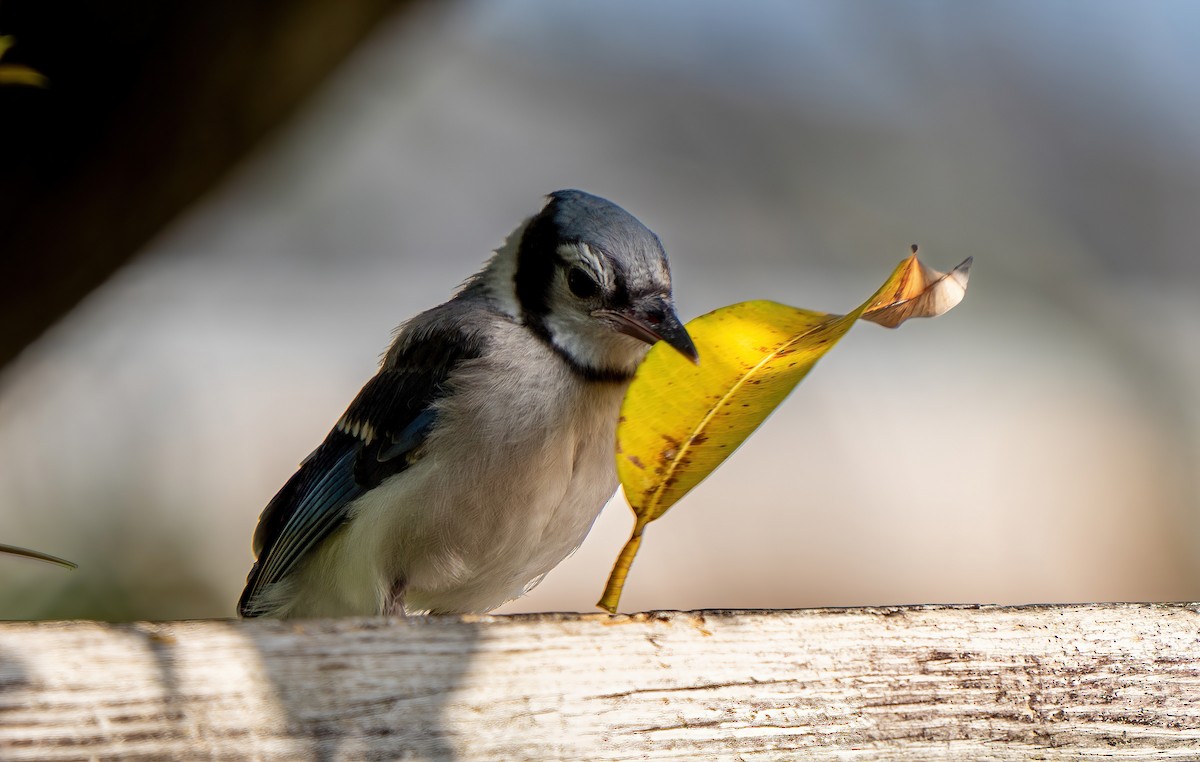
(581, 284)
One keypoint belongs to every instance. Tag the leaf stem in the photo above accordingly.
(616, 580)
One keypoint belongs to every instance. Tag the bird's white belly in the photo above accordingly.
(484, 536)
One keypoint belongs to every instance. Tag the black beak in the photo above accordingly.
(653, 320)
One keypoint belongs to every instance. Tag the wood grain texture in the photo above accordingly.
(1115, 681)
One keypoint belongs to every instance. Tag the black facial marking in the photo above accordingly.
(588, 373)
(619, 299)
(537, 258)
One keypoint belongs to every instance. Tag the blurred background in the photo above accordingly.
(1038, 444)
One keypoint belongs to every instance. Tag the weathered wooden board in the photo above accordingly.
(986, 683)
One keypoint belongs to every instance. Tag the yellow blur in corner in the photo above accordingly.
(16, 74)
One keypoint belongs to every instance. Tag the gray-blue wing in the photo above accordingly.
(388, 420)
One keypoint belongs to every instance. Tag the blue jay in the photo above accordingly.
(480, 454)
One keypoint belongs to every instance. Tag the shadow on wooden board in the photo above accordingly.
(883, 684)
(148, 104)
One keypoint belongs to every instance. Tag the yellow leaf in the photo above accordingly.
(680, 421)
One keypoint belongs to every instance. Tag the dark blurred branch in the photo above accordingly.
(149, 104)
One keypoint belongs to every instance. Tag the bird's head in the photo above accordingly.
(593, 282)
